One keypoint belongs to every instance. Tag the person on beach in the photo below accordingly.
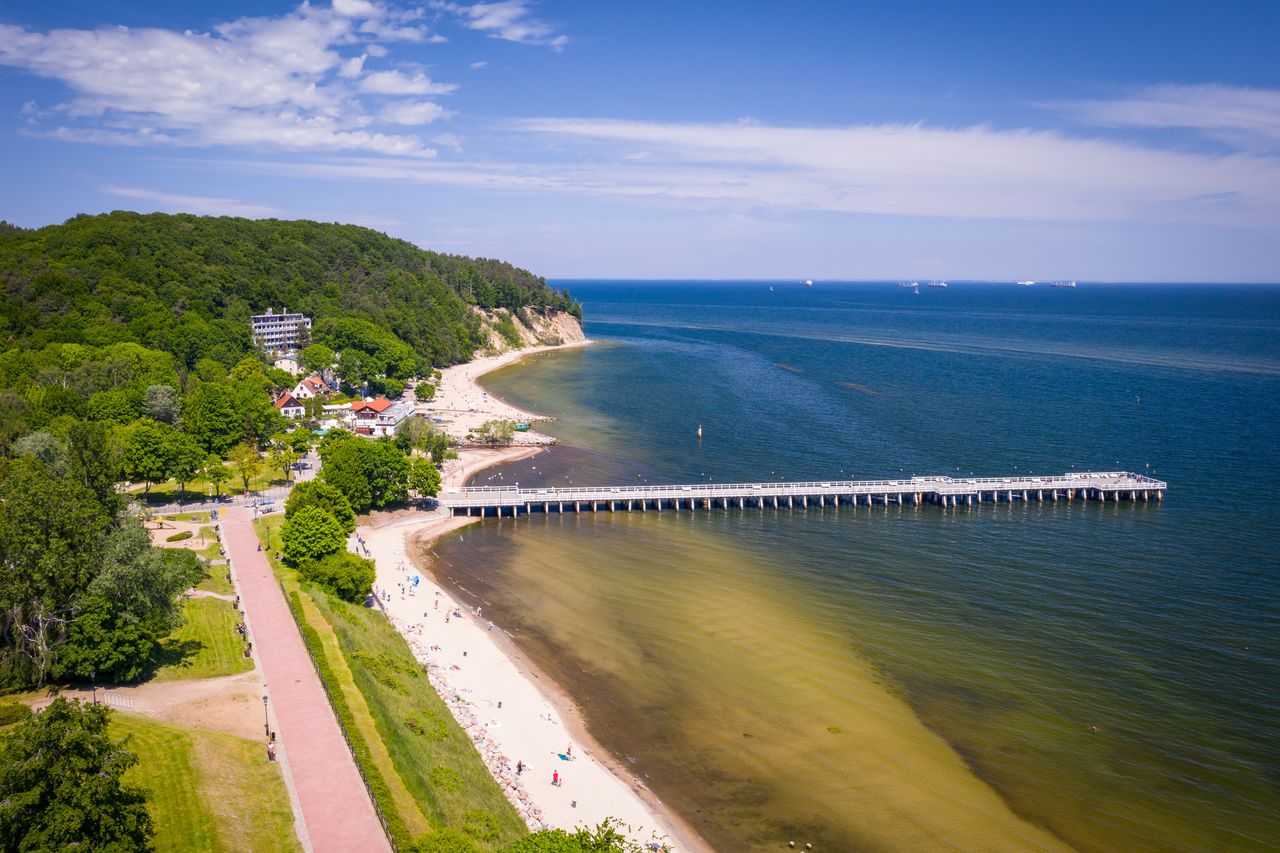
(519, 767)
(568, 750)
(555, 778)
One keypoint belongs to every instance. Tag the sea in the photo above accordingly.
(999, 677)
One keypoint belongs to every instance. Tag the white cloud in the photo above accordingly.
(971, 173)
(256, 81)
(1240, 116)
(975, 172)
(509, 20)
(353, 66)
(213, 206)
(413, 113)
(399, 83)
(476, 66)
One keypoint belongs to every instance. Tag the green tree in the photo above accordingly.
(342, 573)
(424, 478)
(51, 536)
(326, 497)
(215, 471)
(310, 534)
(61, 785)
(112, 405)
(300, 441)
(43, 446)
(149, 453)
(104, 642)
(496, 432)
(246, 462)
(372, 474)
(187, 459)
(209, 414)
(317, 357)
(282, 458)
(160, 403)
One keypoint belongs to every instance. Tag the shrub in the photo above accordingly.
(178, 537)
(13, 712)
(342, 573)
(443, 841)
(481, 825)
(311, 534)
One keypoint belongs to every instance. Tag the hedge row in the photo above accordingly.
(400, 837)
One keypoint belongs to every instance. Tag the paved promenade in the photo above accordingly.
(335, 805)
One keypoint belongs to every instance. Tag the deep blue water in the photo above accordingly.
(1010, 627)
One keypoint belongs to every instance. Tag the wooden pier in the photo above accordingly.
(1105, 486)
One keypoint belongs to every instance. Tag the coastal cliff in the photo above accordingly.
(507, 331)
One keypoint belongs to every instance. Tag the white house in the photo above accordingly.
(290, 407)
(287, 362)
(312, 386)
(379, 417)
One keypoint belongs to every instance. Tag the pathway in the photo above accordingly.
(335, 805)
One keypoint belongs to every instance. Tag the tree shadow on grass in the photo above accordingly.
(179, 654)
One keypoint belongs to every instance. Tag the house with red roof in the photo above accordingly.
(379, 416)
(289, 406)
(312, 386)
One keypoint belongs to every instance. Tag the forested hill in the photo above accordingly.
(188, 284)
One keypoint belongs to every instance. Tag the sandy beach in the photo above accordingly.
(460, 405)
(524, 726)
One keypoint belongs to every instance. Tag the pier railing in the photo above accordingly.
(1087, 484)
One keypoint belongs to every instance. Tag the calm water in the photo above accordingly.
(916, 678)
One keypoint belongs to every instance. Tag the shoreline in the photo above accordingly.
(512, 711)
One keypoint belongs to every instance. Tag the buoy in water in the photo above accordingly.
(699, 430)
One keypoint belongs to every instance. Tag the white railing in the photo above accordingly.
(489, 496)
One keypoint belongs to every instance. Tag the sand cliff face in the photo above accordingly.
(551, 329)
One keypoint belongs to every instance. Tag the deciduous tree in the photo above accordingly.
(310, 534)
(61, 785)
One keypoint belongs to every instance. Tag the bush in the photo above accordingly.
(13, 712)
(344, 574)
(443, 841)
(312, 533)
(179, 537)
(481, 825)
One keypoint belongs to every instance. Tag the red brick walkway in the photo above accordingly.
(335, 805)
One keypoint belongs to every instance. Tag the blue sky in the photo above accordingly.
(1087, 140)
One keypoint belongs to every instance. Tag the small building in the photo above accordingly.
(278, 333)
(379, 417)
(312, 386)
(287, 362)
(290, 407)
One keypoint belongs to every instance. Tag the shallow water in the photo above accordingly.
(915, 678)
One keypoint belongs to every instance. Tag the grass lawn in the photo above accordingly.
(386, 691)
(209, 790)
(206, 646)
(215, 577)
(201, 517)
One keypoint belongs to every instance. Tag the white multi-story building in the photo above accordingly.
(279, 332)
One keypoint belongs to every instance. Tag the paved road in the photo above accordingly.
(335, 805)
(275, 494)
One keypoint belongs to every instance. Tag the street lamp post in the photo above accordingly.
(266, 722)
(93, 681)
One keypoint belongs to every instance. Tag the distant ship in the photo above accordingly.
(1064, 284)
(937, 284)
(808, 282)
(907, 284)
(1026, 283)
